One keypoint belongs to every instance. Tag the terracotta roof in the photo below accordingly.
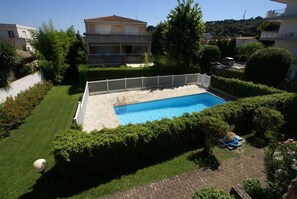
(113, 18)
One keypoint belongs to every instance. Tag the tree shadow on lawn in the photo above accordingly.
(53, 185)
(204, 160)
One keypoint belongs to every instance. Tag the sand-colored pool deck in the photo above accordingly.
(100, 112)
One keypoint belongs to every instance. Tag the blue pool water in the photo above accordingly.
(169, 108)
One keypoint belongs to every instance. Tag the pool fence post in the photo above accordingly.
(186, 79)
(107, 87)
(172, 80)
(158, 81)
(197, 78)
(125, 83)
(142, 82)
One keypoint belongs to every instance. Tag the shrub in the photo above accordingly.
(210, 193)
(213, 130)
(246, 50)
(210, 53)
(79, 154)
(266, 119)
(268, 66)
(241, 88)
(291, 112)
(8, 59)
(14, 110)
(281, 167)
(254, 188)
(229, 74)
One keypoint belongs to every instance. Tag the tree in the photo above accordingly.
(246, 50)
(184, 32)
(210, 53)
(52, 48)
(268, 66)
(8, 59)
(159, 38)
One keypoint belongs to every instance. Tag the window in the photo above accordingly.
(24, 34)
(10, 34)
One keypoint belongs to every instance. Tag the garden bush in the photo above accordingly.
(246, 50)
(281, 167)
(268, 66)
(14, 110)
(266, 119)
(209, 54)
(254, 188)
(240, 88)
(210, 193)
(229, 74)
(79, 154)
(91, 74)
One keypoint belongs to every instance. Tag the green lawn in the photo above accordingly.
(32, 140)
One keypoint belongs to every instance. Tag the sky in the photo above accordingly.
(65, 13)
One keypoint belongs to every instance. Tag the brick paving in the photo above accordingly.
(230, 173)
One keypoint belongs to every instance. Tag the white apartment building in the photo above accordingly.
(286, 36)
(17, 35)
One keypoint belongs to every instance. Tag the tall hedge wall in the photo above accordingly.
(241, 88)
(79, 154)
(91, 74)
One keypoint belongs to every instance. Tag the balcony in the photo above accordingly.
(278, 15)
(273, 36)
(116, 58)
(116, 38)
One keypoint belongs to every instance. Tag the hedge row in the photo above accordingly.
(79, 154)
(229, 73)
(91, 74)
(241, 88)
(14, 110)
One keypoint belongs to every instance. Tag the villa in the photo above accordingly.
(17, 35)
(286, 37)
(114, 40)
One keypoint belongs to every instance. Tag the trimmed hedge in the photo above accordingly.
(268, 66)
(229, 73)
(92, 74)
(79, 154)
(14, 110)
(241, 88)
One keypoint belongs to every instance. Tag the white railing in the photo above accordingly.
(82, 107)
(125, 84)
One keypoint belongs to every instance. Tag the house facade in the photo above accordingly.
(17, 35)
(116, 40)
(286, 36)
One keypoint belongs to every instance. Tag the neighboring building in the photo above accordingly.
(286, 37)
(116, 40)
(243, 40)
(17, 35)
(206, 38)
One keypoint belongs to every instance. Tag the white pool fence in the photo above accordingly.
(125, 84)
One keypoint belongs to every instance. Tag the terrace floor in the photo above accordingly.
(230, 173)
(100, 112)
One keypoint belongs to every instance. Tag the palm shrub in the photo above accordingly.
(8, 59)
(211, 193)
(268, 66)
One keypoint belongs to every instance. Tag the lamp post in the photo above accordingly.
(39, 166)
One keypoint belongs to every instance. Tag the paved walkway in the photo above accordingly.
(230, 173)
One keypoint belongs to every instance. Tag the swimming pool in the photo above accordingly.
(169, 108)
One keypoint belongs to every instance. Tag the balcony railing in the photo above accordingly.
(116, 58)
(116, 38)
(272, 36)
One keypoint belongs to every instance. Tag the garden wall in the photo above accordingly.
(19, 85)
